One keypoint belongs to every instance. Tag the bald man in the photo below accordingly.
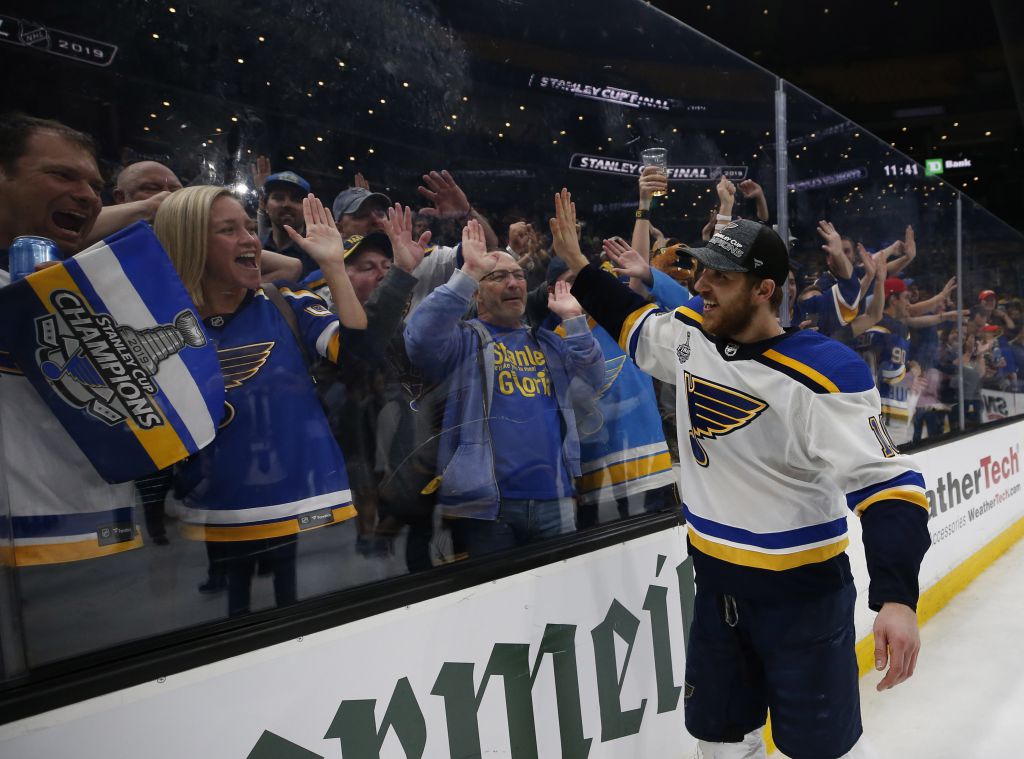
(143, 180)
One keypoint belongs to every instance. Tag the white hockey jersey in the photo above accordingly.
(778, 440)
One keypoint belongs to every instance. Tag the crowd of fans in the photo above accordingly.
(413, 388)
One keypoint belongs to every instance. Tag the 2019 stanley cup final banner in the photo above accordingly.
(111, 341)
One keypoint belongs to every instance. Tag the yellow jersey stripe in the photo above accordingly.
(58, 553)
(290, 526)
(898, 494)
(624, 472)
(804, 369)
(631, 320)
(689, 313)
(163, 445)
(773, 561)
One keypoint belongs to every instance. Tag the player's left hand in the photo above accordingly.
(897, 643)
(323, 240)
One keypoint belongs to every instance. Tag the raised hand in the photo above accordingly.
(626, 261)
(837, 261)
(947, 289)
(909, 244)
(261, 171)
(750, 189)
(562, 303)
(448, 199)
(398, 227)
(563, 232)
(478, 262)
(870, 265)
(652, 180)
(709, 228)
(323, 240)
(360, 181)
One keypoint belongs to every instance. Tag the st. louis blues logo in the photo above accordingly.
(716, 410)
(104, 368)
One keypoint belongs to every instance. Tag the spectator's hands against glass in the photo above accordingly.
(625, 260)
(562, 303)
(448, 199)
(565, 241)
(897, 643)
(837, 261)
(323, 240)
(361, 182)
(478, 262)
(260, 172)
(398, 227)
(652, 180)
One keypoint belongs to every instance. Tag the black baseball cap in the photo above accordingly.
(746, 246)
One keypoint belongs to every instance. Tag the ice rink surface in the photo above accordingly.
(966, 699)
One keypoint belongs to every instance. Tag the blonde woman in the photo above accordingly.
(274, 468)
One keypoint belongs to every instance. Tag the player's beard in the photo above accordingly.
(733, 318)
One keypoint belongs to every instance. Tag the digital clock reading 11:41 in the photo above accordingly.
(902, 170)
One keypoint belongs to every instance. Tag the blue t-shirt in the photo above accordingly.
(525, 423)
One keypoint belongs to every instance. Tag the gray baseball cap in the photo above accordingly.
(352, 199)
(747, 246)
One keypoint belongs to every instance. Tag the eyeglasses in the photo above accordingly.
(501, 277)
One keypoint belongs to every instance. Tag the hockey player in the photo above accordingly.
(779, 435)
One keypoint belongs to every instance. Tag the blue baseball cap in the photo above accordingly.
(286, 177)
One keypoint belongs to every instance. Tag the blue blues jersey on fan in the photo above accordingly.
(888, 345)
(274, 468)
(622, 443)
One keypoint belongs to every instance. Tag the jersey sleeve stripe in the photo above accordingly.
(223, 534)
(799, 371)
(629, 332)
(912, 496)
(785, 539)
(772, 561)
(908, 480)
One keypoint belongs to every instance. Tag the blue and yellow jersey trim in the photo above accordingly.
(777, 551)
(621, 472)
(908, 487)
(35, 554)
(271, 529)
(630, 327)
(819, 363)
(846, 312)
(689, 316)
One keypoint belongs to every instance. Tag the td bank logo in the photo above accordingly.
(933, 166)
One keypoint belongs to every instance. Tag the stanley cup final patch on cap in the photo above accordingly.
(112, 343)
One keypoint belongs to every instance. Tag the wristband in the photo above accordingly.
(643, 213)
(720, 217)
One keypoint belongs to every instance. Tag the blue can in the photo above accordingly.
(25, 252)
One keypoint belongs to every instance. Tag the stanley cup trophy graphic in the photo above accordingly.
(105, 368)
(151, 346)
